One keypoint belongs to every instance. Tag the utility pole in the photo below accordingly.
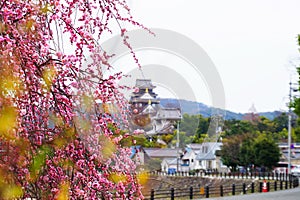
(177, 146)
(289, 129)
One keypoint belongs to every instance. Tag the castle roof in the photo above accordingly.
(144, 83)
(169, 113)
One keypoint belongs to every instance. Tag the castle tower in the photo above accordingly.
(147, 113)
(143, 100)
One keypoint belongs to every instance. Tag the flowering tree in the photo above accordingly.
(59, 138)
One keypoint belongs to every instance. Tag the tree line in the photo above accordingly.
(247, 142)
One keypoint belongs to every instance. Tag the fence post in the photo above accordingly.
(252, 187)
(285, 176)
(172, 193)
(233, 189)
(275, 185)
(207, 192)
(260, 186)
(268, 186)
(152, 194)
(244, 188)
(221, 190)
(281, 187)
(191, 192)
(295, 182)
(286, 184)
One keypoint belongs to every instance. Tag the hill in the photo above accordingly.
(194, 108)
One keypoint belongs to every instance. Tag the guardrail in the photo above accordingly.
(222, 190)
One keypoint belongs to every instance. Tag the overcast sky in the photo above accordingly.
(251, 43)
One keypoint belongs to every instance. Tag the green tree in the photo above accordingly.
(280, 122)
(247, 154)
(235, 127)
(189, 124)
(183, 139)
(264, 124)
(230, 152)
(266, 151)
(202, 125)
(195, 128)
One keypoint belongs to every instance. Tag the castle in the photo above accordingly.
(148, 114)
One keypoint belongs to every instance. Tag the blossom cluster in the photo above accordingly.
(59, 139)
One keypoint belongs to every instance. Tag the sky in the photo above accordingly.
(252, 44)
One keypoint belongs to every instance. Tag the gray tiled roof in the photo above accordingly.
(195, 146)
(171, 161)
(161, 153)
(144, 83)
(210, 149)
(206, 156)
(169, 113)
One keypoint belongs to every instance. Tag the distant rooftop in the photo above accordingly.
(161, 153)
(169, 113)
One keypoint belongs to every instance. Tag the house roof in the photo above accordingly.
(161, 152)
(208, 150)
(170, 161)
(194, 146)
(187, 155)
(206, 156)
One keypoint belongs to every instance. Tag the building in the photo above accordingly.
(169, 157)
(207, 157)
(295, 153)
(148, 114)
(252, 115)
(138, 155)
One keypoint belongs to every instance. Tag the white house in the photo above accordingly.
(168, 157)
(202, 157)
(206, 156)
(189, 161)
(169, 165)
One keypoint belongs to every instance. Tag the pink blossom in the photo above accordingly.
(138, 131)
(48, 138)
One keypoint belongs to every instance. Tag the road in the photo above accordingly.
(290, 194)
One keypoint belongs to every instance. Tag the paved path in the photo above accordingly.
(290, 194)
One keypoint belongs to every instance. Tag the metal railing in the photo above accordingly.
(207, 191)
